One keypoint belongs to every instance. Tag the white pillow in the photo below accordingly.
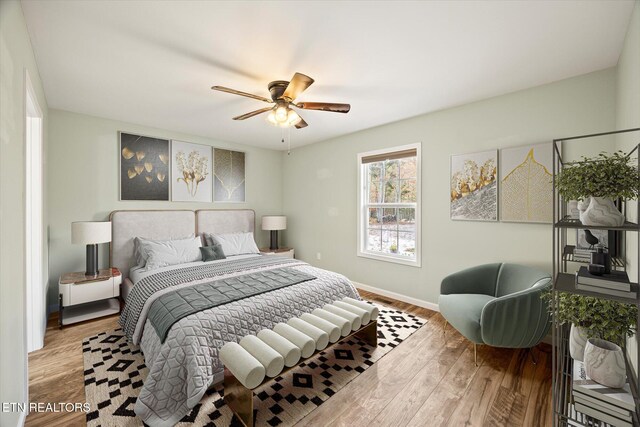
(170, 252)
(237, 243)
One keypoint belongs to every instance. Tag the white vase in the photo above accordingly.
(600, 211)
(604, 363)
(577, 342)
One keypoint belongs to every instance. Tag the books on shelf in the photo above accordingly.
(617, 280)
(611, 405)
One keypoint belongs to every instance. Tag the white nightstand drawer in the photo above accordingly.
(288, 253)
(92, 291)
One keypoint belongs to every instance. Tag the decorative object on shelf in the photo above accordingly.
(229, 176)
(600, 261)
(604, 363)
(274, 223)
(144, 167)
(474, 186)
(598, 317)
(599, 211)
(577, 342)
(91, 234)
(590, 238)
(526, 184)
(191, 178)
(597, 182)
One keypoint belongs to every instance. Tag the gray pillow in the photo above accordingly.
(212, 253)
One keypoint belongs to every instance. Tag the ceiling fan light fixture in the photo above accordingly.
(281, 114)
(271, 118)
(293, 118)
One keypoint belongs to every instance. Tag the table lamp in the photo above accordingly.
(274, 223)
(91, 233)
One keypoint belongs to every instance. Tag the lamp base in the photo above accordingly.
(274, 240)
(92, 260)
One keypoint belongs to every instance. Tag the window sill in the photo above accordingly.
(390, 258)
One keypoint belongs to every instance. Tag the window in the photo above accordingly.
(389, 205)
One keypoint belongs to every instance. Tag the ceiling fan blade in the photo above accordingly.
(298, 84)
(301, 124)
(237, 92)
(324, 106)
(253, 113)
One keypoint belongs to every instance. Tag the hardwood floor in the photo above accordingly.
(430, 379)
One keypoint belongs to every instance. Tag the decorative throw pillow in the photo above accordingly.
(212, 253)
(170, 252)
(236, 243)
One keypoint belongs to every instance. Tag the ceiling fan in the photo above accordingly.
(283, 94)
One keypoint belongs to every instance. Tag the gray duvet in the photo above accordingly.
(183, 367)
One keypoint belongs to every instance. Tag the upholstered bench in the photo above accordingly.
(257, 358)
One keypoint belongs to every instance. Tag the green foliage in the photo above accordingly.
(606, 175)
(605, 319)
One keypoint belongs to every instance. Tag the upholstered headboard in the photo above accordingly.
(216, 221)
(169, 224)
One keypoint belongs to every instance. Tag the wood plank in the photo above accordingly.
(473, 407)
(539, 412)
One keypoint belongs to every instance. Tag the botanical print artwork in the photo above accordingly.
(474, 193)
(144, 167)
(228, 169)
(191, 177)
(526, 189)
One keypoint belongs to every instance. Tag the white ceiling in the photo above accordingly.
(153, 63)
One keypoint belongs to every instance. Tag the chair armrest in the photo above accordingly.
(475, 280)
(518, 320)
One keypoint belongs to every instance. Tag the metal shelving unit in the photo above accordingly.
(564, 281)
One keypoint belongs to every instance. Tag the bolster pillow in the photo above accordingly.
(372, 309)
(356, 321)
(363, 314)
(332, 330)
(272, 361)
(340, 322)
(305, 343)
(286, 348)
(318, 335)
(246, 368)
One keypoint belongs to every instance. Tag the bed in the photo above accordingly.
(185, 363)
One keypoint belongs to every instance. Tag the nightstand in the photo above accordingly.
(82, 298)
(283, 252)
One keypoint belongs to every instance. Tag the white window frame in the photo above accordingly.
(363, 214)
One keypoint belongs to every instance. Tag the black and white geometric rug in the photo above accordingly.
(114, 372)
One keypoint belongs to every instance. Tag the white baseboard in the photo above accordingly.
(399, 297)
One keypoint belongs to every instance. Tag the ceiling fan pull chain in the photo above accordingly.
(289, 147)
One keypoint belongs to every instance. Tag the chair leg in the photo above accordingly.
(444, 328)
(475, 354)
(533, 355)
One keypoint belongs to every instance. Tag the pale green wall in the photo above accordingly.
(16, 55)
(320, 183)
(83, 183)
(628, 116)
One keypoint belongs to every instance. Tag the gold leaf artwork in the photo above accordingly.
(127, 154)
(148, 166)
(139, 169)
(140, 155)
(527, 192)
(149, 178)
(160, 176)
(163, 158)
(132, 173)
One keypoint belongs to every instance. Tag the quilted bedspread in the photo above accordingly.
(183, 367)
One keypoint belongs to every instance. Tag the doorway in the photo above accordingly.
(34, 227)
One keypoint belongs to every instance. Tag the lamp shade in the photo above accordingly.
(88, 232)
(274, 222)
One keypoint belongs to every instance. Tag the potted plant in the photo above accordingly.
(393, 248)
(596, 182)
(592, 317)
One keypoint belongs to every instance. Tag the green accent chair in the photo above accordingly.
(497, 304)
